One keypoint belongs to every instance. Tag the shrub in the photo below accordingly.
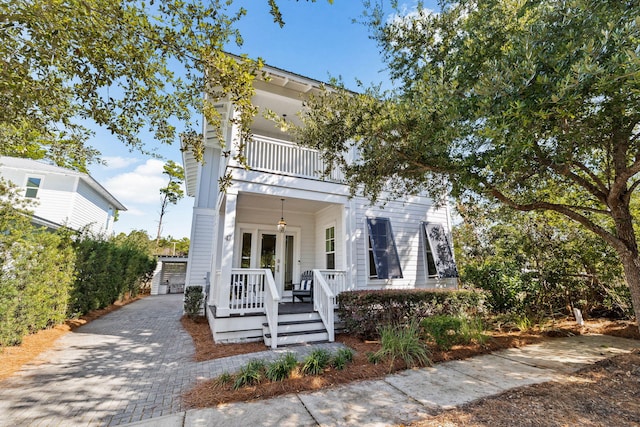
(374, 357)
(363, 312)
(224, 378)
(281, 369)
(107, 270)
(403, 342)
(316, 362)
(447, 331)
(504, 282)
(36, 274)
(36, 270)
(250, 374)
(341, 358)
(193, 299)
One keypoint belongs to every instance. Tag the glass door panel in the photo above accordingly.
(268, 252)
(288, 263)
(245, 256)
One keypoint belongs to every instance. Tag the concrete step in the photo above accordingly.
(298, 317)
(300, 326)
(295, 338)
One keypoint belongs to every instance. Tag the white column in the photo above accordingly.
(350, 225)
(215, 262)
(226, 254)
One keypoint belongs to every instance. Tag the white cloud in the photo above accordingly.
(134, 212)
(142, 186)
(118, 162)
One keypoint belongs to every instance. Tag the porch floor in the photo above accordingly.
(295, 308)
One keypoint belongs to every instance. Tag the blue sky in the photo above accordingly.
(319, 41)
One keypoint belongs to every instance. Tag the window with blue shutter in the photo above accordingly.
(440, 250)
(384, 262)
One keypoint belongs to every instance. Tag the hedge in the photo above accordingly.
(36, 276)
(107, 271)
(364, 312)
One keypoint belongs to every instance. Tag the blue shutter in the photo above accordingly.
(442, 255)
(385, 253)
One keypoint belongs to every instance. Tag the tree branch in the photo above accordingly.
(564, 210)
(565, 170)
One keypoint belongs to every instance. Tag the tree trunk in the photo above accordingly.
(631, 266)
(628, 252)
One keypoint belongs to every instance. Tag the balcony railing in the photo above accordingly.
(282, 157)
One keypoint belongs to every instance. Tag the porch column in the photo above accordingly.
(226, 254)
(350, 227)
(213, 279)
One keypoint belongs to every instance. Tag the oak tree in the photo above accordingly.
(535, 104)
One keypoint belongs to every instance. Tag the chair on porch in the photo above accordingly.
(304, 288)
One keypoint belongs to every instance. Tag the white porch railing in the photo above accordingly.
(271, 155)
(327, 284)
(247, 291)
(337, 280)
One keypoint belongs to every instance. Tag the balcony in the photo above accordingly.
(286, 158)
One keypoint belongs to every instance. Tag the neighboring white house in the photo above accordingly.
(249, 264)
(62, 196)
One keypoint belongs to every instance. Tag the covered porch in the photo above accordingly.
(266, 242)
(253, 292)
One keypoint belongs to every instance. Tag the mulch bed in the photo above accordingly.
(604, 394)
(211, 392)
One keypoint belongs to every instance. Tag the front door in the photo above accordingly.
(268, 245)
(259, 248)
(277, 253)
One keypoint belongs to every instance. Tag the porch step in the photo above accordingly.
(297, 329)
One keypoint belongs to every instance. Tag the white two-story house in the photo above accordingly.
(281, 224)
(62, 197)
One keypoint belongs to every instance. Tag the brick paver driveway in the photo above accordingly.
(129, 365)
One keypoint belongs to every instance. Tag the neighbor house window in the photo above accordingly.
(384, 262)
(330, 247)
(33, 184)
(441, 254)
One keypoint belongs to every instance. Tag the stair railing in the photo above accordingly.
(324, 302)
(272, 298)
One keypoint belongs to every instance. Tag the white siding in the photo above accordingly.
(406, 218)
(89, 208)
(62, 198)
(330, 217)
(55, 197)
(200, 256)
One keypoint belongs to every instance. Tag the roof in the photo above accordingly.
(36, 166)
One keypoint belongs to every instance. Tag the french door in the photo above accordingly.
(276, 251)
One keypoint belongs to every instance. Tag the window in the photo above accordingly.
(384, 262)
(430, 265)
(330, 247)
(441, 256)
(33, 184)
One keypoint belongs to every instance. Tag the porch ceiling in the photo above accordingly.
(251, 200)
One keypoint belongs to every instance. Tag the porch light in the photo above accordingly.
(282, 225)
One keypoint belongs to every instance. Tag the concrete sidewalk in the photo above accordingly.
(412, 394)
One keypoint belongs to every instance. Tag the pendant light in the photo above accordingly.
(282, 225)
